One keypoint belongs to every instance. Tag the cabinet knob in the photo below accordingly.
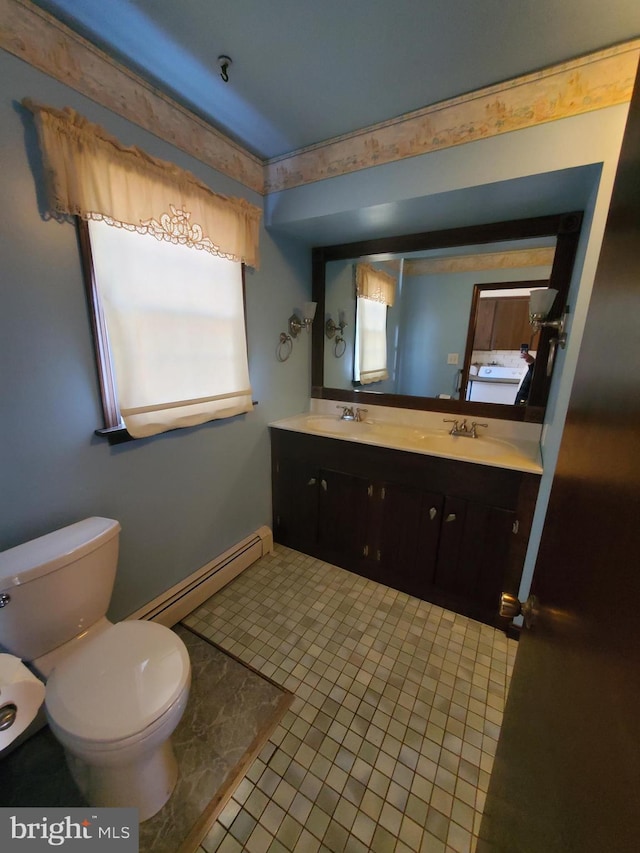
(312, 482)
(451, 517)
(432, 513)
(323, 483)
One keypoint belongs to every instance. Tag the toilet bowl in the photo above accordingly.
(114, 692)
(114, 705)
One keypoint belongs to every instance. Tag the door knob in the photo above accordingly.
(510, 607)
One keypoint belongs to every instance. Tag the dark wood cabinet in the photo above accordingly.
(474, 549)
(409, 533)
(503, 323)
(450, 532)
(343, 523)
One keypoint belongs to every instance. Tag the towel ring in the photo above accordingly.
(285, 347)
(337, 351)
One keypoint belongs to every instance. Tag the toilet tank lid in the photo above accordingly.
(40, 556)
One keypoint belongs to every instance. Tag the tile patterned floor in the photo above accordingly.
(390, 739)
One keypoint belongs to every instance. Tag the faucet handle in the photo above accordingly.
(474, 431)
(347, 412)
(360, 412)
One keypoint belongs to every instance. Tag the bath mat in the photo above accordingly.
(230, 714)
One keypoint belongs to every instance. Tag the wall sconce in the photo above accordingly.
(296, 325)
(540, 303)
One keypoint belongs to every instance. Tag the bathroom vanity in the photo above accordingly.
(441, 518)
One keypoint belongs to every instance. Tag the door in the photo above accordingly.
(566, 777)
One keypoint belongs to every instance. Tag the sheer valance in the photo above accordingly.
(90, 174)
(375, 284)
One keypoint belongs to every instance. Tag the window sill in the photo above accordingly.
(114, 435)
(119, 434)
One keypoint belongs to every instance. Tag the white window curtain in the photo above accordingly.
(173, 306)
(372, 283)
(375, 291)
(90, 174)
(175, 319)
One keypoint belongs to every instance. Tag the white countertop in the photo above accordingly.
(499, 451)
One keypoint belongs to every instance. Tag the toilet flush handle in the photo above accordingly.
(8, 714)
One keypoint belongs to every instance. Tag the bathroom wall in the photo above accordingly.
(183, 497)
(186, 496)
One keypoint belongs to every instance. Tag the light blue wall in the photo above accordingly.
(183, 497)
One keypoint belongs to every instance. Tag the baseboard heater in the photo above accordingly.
(183, 598)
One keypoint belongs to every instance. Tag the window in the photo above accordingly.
(375, 292)
(370, 364)
(170, 331)
(168, 312)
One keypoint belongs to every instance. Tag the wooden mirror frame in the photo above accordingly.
(565, 227)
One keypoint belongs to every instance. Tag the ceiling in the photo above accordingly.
(304, 71)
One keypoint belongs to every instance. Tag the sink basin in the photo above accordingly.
(519, 455)
(398, 434)
(477, 448)
(411, 437)
(336, 426)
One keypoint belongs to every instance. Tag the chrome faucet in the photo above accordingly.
(347, 413)
(463, 429)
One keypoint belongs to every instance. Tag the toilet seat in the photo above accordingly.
(119, 685)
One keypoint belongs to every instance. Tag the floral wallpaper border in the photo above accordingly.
(593, 82)
(540, 257)
(600, 80)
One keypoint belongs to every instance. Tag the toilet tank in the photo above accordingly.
(56, 587)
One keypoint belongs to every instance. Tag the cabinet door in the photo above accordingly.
(474, 551)
(343, 520)
(511, 324)
(502, 323)
(485, 314)
(408, 535)
(295, 504)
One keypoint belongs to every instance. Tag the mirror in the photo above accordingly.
(459, 305)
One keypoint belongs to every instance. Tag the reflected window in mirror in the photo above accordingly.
(375, 296)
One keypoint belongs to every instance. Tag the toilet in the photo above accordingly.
(114, 692)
